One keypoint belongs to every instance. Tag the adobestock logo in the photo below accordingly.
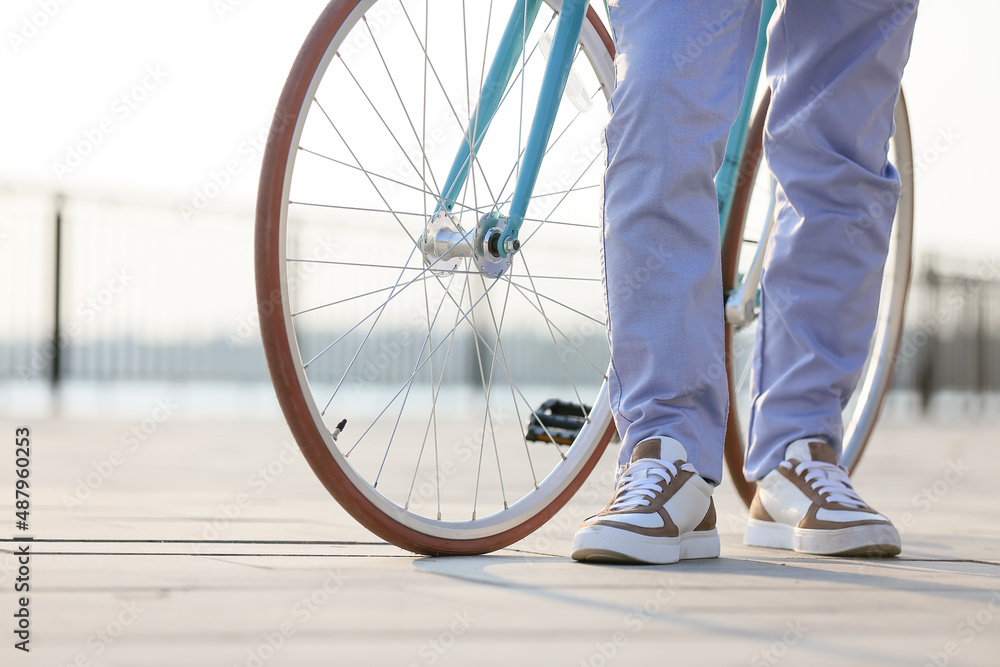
(218, 180)
(104, 469)
(33, 24)
(122, 107)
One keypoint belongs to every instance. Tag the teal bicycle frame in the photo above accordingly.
(557, 69)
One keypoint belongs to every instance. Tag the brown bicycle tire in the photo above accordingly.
(282, 361)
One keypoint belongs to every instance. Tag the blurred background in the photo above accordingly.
(132, 136)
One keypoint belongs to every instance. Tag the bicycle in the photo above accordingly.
(418, 262)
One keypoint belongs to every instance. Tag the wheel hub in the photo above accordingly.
(486, 249)
(444, 244)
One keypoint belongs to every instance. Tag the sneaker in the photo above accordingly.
(807, 504)
(661, 512)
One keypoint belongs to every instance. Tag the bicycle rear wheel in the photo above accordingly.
(435, 366)
(744, 229)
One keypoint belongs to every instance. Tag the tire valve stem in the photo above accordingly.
(340, 428)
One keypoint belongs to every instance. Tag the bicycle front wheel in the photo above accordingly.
(752, 202)
(436, 366)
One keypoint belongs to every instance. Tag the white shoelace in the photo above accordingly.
(828, 480)
(636, 491)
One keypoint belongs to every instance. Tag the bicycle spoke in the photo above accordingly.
(357, 352)
(363, 209)
(566, 192)
(464, 317)
(747, 366)
(347, 299)
(558, 203)
(558, 330)
(369, 265)
(559, 303)
(386, 125)
(362, 168)
(467, 317)
(372, 174)
(487, 386)
(552, 143)
(426, 162)
(381, 329)
(465, 57)
(360, 209)
(499, 346)
(444, 91)
(570, 278)
(510, 87)
(430, 339)
(434, 398)
(423, 115)
(474, 123)
(520, 115)
(548, 324)
(427, 340)
(392, 296)
(493, 351)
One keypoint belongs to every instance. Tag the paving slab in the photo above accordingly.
(146, 567)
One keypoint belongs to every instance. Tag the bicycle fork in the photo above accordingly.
(494, 240)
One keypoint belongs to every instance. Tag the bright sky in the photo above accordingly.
(172, 91)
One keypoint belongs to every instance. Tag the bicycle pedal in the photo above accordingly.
(557, 422)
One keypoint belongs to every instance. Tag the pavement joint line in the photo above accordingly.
(806, 558)
(96, 540)
(533, 553)
(188, 519)
(208, 554)
(800, 558)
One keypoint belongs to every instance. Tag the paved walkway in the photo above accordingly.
(155, 560)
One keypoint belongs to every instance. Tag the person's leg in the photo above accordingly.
(681, 70)
(834, 70)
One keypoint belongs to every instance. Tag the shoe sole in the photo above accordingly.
(606, 544)
(867, 540)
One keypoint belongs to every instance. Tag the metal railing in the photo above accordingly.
(144, 294)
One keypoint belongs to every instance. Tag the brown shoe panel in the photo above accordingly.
(757, 510)
(810, 522)
(657, 501)
(814, 495)
(668, 529)
(820, 451)
(708, 523)
(647, 449)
